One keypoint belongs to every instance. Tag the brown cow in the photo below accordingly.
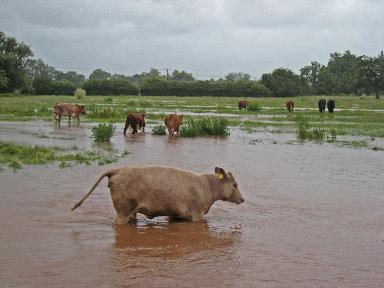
(135, 120)
(166, 191)
(173, 123)
(243, 104)
(290, 105)
(68, 110)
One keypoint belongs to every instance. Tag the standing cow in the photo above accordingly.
(166, 191)
(135, 121)
(173, 123)
(331, 105)
(68, 110)
(243, 104)
(321, 104)
(290, 105)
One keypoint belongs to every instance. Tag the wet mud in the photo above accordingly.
(312, 217)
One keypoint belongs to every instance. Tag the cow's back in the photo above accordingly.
(65, 109)
(159, 188)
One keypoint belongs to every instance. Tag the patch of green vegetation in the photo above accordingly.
(366, 119)
(80, 93)
(316, 134)
(254, 106)
(103, 132)
(14, 156)
(158, 130)
(255, 141)
(377, 148)
(354, 143)
(207, 126)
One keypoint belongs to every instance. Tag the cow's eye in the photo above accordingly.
(235, 185)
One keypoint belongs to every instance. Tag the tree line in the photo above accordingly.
(345, 73)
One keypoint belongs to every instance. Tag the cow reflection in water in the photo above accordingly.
(170, 240)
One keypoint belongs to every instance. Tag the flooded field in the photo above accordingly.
(312, 217)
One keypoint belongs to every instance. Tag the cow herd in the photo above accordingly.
(243, 104)
(136, 121)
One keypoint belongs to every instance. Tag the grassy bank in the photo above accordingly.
(358, 115)
(14, 156)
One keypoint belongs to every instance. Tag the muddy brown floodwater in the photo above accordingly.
(313, 217)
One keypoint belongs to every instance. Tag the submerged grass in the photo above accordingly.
(366, 118)
(207, 126)
(317, 134)
(158, 130)
(15, 155)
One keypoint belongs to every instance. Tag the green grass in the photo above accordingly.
(273, 115)
(254, 106)
(206, 126)
(103, 132)
(15, 155)
(158, 130)
(317, 134)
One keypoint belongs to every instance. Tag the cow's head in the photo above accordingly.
(143, 114)
(230, 191)
(181, 119)
(82, 109)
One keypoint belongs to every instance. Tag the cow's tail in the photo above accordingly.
(108, 173)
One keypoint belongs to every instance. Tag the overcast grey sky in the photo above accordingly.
(206, 37)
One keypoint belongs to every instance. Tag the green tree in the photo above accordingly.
(283, 82)
(181, 76)
(3, 79)
(237, 76)
(71, 77)
(344, 71)
(372, 74)
(13, 59)
(99, 74)
(311, 74)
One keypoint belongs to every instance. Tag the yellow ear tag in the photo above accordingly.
(221, 176)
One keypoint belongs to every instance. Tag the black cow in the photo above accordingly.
(331, 105)
(321, 105)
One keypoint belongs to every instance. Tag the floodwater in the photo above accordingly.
(312, 217)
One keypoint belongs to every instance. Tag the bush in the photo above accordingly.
(103, 132)
(254, 106)
(214, 126)
(110, 87)
(157, 86)
(158, 130)
(80, 93)
(42, 86)
(45, 86)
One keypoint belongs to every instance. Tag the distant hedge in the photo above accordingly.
(157, 86)
(45, 86)
(110, 87)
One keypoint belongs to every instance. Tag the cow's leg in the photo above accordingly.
(134, 127)
(196, 217)
(59, 118)
(125, 212)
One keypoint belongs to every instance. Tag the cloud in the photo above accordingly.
(207, 37)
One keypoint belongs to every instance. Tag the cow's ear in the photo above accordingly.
(143, 114)
(220, 172)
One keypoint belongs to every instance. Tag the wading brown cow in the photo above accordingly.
(165, 191)
(135, 121)
(243, 104)
(68, 110)
(173, 123)
(290, 105)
